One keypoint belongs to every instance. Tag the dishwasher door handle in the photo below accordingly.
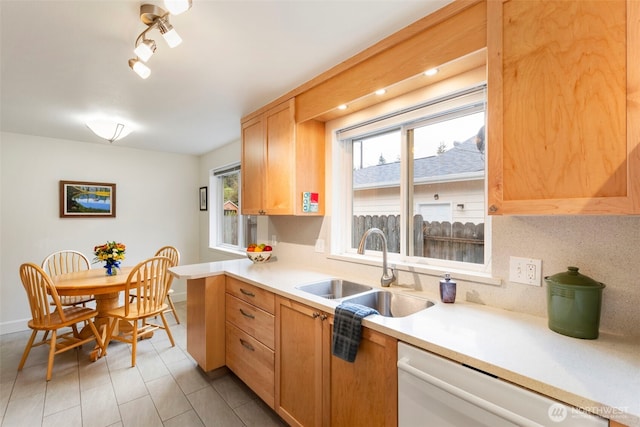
(466, 396)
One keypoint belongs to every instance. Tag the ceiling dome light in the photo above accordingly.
(381, 91)
(139, 67)
(111, 130)
(145, 49)
(431, 72)
(342, 107)
(176, 7)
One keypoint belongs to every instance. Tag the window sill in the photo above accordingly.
(436, 271)
(228, 251)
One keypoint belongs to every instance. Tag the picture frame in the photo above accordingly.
(81, 199)
(203, 198)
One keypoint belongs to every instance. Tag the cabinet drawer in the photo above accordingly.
(252, 362)
(252, 294)
(252, 320)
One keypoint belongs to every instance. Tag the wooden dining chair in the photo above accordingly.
(42, 293)
(174, 255)
(150, 281)
(63, 262)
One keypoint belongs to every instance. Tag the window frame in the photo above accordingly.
(216, 216)
(361, 126)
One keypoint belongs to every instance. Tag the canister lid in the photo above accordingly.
(572, 277)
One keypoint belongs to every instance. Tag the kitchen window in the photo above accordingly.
(228, 228)
(419, 175)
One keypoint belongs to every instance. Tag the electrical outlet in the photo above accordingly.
(525, 270)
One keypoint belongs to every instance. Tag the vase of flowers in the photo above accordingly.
(111, 253)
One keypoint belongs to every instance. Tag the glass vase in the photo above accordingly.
(111, 269)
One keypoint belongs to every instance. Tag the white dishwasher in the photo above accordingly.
(434, 391)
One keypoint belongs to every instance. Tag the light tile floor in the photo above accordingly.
(166, 388)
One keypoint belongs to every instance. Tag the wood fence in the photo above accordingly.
(432, 239)
(230, 229)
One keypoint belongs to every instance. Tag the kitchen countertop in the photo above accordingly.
(601, 376)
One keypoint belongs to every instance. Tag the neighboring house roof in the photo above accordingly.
(463, 161)
(230, 206)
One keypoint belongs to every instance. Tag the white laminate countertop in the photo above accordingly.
(601, 376)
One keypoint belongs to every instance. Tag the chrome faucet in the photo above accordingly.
(386, 279)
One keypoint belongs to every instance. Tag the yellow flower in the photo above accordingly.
(109, 251)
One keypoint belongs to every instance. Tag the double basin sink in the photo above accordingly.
(387, 303)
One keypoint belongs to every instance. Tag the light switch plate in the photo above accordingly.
(525, 270)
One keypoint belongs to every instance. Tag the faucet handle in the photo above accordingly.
(388, 279)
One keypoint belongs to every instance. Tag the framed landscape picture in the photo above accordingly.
(87, 199)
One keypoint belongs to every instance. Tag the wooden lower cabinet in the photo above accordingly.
(251, 361)
(250, 337)
(314, 388)
(365, 393)
(613, 423)
(206, 318)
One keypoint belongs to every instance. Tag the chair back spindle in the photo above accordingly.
(66, 261)
(63, 262)
(149, 280)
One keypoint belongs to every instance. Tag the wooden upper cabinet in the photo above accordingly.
(253, 166)
(280, 161)
(563, 107)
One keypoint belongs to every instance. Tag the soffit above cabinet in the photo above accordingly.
(419, 81)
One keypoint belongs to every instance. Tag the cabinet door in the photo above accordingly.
(298, 363)
(368, 386)
(280, 154)
(253, 167)
(563, 127)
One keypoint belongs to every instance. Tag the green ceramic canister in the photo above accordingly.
(573, 304)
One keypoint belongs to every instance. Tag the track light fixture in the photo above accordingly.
(140, 68)
(156, 17)
(176, 7)
(169, 33)
(145, 49)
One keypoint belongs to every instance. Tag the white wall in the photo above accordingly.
(157, 205)
(223, 156)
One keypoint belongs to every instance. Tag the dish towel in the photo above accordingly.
(347, 329)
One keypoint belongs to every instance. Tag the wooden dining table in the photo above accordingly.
(106, 290)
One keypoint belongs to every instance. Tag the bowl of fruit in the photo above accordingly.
(259, 253)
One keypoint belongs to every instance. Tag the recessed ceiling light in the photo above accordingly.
(381, 91)
(431, 72)
(342, 107)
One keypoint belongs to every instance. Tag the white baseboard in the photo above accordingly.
(14, 326)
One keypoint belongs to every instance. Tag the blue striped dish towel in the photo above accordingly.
(347, 329)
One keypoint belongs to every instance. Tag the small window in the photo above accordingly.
(229, 229)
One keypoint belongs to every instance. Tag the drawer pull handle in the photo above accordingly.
(247, 293)
(247, 345)
(245, 314)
